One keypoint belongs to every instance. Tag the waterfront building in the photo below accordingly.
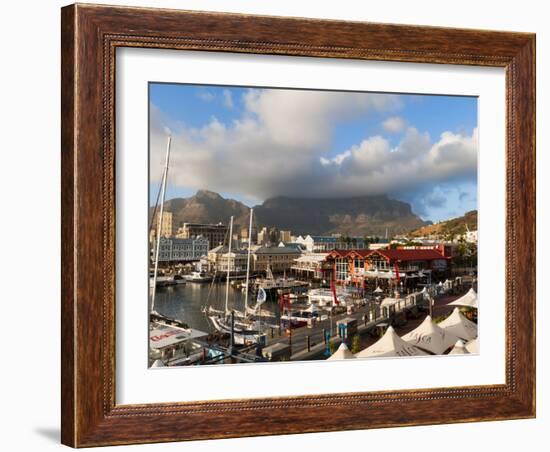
(219, 260)
(279, 258)
(167, 229)
(371, 268)
(215, 233)
(312, 266)
(298, 246)
(182, 250)
(323, 244)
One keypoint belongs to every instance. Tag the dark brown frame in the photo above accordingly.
(90, 36)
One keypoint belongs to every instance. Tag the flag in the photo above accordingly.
(333, 288)
(262, 296)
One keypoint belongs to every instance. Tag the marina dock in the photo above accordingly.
(312, 342)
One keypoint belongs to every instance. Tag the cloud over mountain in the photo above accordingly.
(280, 144)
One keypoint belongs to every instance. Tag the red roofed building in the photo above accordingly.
(407, 267)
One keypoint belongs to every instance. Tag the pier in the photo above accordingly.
(312, 342)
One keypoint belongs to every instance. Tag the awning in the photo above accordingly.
(390, 345)
(469, 299)
(473, 346)
(430, 337)
(459, 349)
(343, 352)
(459, 325)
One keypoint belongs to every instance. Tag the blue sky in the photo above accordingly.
(252, 144)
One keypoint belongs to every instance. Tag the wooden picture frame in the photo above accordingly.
(90, 36)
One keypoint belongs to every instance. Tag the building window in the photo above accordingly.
(341, 269)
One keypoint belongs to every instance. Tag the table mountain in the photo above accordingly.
(356, 216)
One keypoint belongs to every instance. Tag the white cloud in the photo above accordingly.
(394, 124)
(206, 96)
(227, 98)
(373, 166)
(280, 146)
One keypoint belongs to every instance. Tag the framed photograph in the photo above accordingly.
(282, 225)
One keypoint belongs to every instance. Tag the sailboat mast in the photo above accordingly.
(228, 267)
(248, 261)
(159, 222)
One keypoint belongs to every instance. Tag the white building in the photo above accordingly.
(310, 264)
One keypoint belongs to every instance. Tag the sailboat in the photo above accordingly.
(245, 328)
(261, 297)
(159, 324)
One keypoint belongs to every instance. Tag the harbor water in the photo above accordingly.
(186, 302)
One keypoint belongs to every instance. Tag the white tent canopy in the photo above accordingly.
(459, 348)
(343, 352)
(428, 336)
(158, 363)
(378, 290)
(469, 299)
(390, 345)
(473, 346)
(459, 325)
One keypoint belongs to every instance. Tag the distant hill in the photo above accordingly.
(449, 228)
(358, 216)
(206, 207)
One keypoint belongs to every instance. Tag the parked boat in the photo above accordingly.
(199, 277)
(323, 297)
(165, 281)
(167, 337)
(297, 318)
(246, 328)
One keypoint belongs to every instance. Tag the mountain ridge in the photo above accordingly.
(450, 228)
(357, 216)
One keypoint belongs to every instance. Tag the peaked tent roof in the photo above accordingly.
(473, 346)
(469, 299)
(342, 353)
(430, 337)
(158, 363)
(459, 325)
(459, 348)
(390, 345)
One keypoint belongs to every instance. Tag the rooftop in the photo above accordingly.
(204, 225)
(394, 254)
(223, 249)
(277, 250)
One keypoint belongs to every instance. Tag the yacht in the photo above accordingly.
(199, 277)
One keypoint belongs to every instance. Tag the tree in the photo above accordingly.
(356, 344)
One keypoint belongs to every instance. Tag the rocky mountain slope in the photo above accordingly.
(358, 216)
(450, 228)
